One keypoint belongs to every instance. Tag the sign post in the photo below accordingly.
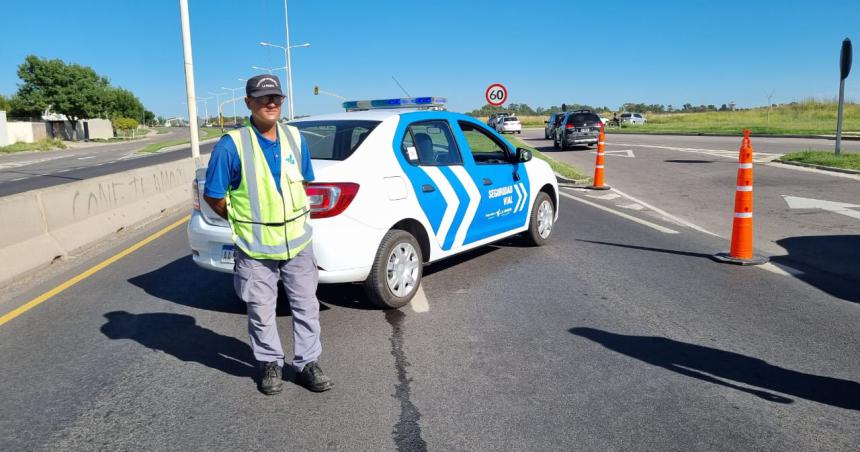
(496, 94)
(844, 69)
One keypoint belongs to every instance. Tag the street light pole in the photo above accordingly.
(233, 95)
(189, 81)
(218, 107)
(289, 63)
(288, 68)
(268, 69)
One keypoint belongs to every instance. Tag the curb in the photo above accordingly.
(176, 147)
(567, 181)
(820, 167)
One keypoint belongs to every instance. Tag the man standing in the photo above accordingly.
(256, 180)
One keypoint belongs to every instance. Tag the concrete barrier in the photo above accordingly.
(42, 225)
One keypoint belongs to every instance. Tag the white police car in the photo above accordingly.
(401, 183)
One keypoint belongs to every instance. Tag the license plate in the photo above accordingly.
(228, 253)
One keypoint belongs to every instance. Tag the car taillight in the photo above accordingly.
(569, 126)
(330, 198)
(195, 196)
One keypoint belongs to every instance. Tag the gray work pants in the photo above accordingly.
(256, 283)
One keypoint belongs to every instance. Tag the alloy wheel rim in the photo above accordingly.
(402, 269)
(544, 219)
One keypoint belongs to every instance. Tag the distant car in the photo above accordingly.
(509, 124)
(551, 124)
(632, 118)
(493, 120)
(578, 127)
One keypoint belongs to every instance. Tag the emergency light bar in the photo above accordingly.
(430, 103)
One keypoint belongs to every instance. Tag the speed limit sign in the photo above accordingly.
(496, 94)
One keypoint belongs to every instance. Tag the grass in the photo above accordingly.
(809, 117)
(824, 158)
(565, 170)
(205, 134)
(41, 145)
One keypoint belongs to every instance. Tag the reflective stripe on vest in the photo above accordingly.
(283, 230)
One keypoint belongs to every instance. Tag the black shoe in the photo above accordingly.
(313, 378)
(271, 378)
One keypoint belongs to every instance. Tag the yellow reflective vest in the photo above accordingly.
(268, 224)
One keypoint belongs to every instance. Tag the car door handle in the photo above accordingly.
(427, 188)
(487, 181)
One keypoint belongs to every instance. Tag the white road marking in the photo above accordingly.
(419, 301)
(20, 178)
(633, 206)
(85, 158)
(626, 153)
(841, 208)
(666, 214)
(759, 157)
(780, 269)
(621, 214)
(606, 197)
(814, 170)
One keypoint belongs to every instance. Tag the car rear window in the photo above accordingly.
(583, 118)
(334, 140)
(511, 119)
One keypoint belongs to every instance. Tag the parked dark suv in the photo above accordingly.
(578, 127)
(551, 124)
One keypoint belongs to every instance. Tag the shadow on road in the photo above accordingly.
(183, 282)
(647, 248)
(717, 366)
(180, 336)
(836, 257)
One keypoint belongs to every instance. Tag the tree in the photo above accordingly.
(5, 103)
(72, 90)
(148, 117)
(124, 123)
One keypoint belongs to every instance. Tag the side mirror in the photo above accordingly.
(546, 122)
(523, 155)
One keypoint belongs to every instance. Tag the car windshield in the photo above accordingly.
(334, 140)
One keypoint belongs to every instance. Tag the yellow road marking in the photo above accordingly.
(71, 282)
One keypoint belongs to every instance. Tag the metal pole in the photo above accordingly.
(189, 81)
(839, 115)
(289, 64)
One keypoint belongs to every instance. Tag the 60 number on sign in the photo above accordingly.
(496, 94)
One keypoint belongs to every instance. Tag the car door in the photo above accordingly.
(502, 184)
(433, 164)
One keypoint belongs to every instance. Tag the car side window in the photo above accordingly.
(486, 149)
(430, 143)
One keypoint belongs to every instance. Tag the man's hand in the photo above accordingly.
(219, 205)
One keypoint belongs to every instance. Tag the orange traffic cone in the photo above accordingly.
(598, 164)
(741, 252)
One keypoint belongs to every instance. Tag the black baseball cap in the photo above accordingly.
(263, 85)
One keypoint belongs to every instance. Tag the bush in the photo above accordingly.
(124, 123)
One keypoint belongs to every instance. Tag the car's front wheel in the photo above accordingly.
(541, 221)
(396, 272)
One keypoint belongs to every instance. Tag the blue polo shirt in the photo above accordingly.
(225, 167)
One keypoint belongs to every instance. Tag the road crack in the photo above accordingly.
(407, 431)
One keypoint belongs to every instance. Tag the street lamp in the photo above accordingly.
(288, 61)
(233, 95)
(268, 69)
(218, 107)
(205, 107)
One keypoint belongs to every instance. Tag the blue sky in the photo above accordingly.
(595, 52)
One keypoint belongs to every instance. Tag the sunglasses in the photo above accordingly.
(266, 100)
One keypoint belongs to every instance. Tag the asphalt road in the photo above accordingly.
(21, 172)
(692, 179)
(617, 335)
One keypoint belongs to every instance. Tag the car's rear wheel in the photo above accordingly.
(541, 221)
(396, 272)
